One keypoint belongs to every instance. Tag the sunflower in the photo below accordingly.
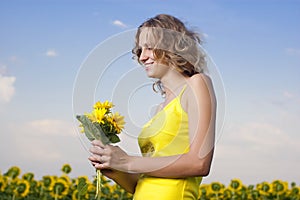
(253, 194)
(279, 187)
(82, 178)
(117, 121)
(3, 183)
(202, 192)
(28, 176)
(66, 178)
(22, 188)
(215, 190)
(59, 189)
(81, 187)
(48, 182)
(227, 194)
(97, 115)
(235, 185)
(66, 168)
(106, 104)
(264, 188)
(91, 188)
(13, 172)
(295, 191)
(76, 195)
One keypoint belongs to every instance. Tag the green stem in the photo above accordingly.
(78, 195)
(42, 190)
(98, 184)
(56, 192)
(121, 196)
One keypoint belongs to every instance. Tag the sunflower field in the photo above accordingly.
(14, 186)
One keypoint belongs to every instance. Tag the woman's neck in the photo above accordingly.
(173, 83)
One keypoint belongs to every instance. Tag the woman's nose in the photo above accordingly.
(144, 56)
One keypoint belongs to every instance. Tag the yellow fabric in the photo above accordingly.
(166, 134)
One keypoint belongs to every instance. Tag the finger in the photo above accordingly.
(98, 143)
(96, 150)
(98, 166)
(104, 159)
(94, 163)
(95, 158)
(101, 166)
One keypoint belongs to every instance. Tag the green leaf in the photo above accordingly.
(114, 138)
(92, 131)
(82, 187)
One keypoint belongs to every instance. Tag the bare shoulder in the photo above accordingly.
(198, 80)
(199, 89)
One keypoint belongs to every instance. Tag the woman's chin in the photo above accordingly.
(150, 75)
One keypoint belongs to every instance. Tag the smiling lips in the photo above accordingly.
(147, 65)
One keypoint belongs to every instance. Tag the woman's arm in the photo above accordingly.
(125, 180)
(201, 107)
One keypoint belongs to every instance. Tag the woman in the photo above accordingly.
(178, 142)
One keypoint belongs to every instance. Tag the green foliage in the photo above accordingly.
(25, 187)
(51, 187)
(93, 131)
(277, 190)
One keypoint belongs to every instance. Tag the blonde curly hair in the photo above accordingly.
(173, 44)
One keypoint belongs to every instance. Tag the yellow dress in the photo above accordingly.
(166, 134)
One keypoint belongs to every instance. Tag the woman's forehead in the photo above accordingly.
(146, 37)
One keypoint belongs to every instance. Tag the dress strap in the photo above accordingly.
(182, 91)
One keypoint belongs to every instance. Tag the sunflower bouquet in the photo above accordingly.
(102, 124)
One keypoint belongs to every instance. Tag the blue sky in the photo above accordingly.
(255, 45)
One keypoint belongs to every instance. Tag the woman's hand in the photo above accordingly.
(108, 157)
(113, 163)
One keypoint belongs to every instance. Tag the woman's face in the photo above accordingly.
(153, 68)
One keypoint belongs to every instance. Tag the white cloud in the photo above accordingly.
(249, 150)
(50, 127)
(292, 51)
(264, 136)
(7, 88)
(3, 69)
(49, 136)
(46, 143)
(119, 24)
(51, 53)
(288, 94)
(287, 101)
(261, 136)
